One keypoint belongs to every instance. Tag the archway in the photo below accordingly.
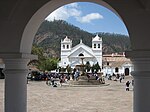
(126, 71)
(40, 14)
(15, 18)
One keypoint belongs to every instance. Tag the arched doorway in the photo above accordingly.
(116, 69)
(126, 71)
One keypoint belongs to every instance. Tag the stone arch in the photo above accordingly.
(16, 21)
(35, 21)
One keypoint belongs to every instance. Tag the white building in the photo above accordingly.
(72, 55)
(117, 64)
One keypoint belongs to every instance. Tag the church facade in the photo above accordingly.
(81, 53)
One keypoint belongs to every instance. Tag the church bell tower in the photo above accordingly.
(66, 46)
(97, 49)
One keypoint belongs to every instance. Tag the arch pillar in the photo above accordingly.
(16, 82)
(141, 74)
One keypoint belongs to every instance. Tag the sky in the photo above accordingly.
(89, 17)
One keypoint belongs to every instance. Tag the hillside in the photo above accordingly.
(49, 36)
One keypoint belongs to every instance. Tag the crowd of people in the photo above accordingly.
(120, 78)
(54, 79)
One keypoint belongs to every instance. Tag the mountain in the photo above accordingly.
(115, 43)
(49, 36)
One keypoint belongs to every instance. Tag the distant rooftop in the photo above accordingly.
(114, 55)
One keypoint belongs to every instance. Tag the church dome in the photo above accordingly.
(97, 38)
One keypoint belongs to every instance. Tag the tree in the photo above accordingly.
(68, 68)
(48, 64)
(96, 67)
(38, 51)
(62, 69)
(43, 63)
(87, 66)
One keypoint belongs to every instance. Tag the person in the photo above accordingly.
(67, 77)
(73, 74)
(115, 78)
(61, 81)
(123, 76)
(103, 79)
(88, 76)
(76, 75)
(132, 82)
(127, 85)
(120, 78)
(96, 76)
(46, 80)
(52, 81)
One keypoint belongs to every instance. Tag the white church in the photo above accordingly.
(81, 53)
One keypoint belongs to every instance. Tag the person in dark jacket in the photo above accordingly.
(127, 85)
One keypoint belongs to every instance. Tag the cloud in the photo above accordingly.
(73, 5)
(73, 10)
(59, 14)
(63, 13)
(89, 17)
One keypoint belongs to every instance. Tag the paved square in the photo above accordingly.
(43, 98)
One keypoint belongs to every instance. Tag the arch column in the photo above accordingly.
(16, 85)
(16, 81)
(141, 74)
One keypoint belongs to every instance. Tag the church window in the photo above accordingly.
(81, 54)
(99, 46)
(94, 45)
(67, 46)
(63, 46)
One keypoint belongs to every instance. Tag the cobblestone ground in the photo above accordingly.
(43, 98)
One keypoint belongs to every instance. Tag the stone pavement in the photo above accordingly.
(43, 98)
